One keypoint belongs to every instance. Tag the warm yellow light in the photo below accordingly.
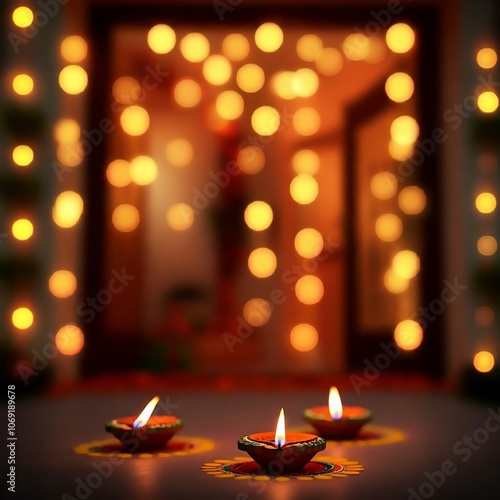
(143, 170)
(305, 82)
(179, 152)
(22, 17)
(412, 200)
(399, 87)
(67, 131)
(256, 312)
(395, 283)
(22, 229)
(161, 39)
(22, 155)
(329, 61)
(384, 185)
(487, 102)
(118, 173)
(486, 58)
(304, 337)
(62, 284)
(282, 85)
(262, 262)
(309, 289)
(23, 84)
(304, 189)
(484, 361)
(335, 403)
(251, 159)
(73, 79)
(258, 215)
(67, 209)
(486, 203)
(195, 47)
(305, 161)
(217, 70)
(265, 120)
(376, 50)
(280, 434)
(143, 417)
(180, 217)
(187, 93)
(306, 121)
(126, 90)
(308, 243)
(484, 316)
(70, 155)
(229, 105)
(404, 130)
(400, 152)
(406, 264)
(400, 38)
(408, 334)
(235, 47)
(309, 47)
(74, 49)
(125, 218)
(22, 318)
(268, 37)
(356, 47)
(250, 78)
(134, 120)
(69, 340)
(487, 245)
(388, 227)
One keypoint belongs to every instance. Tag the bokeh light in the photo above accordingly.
(22, 155)
(250, 78)
(412, 200)
(309, 289)
(74, 49)
(329, 61)
(356, 47)
(484, 361)
(235, 47)
(486, 203)
(304, 337)
(67, 209)
(282, 84)
(134, 120)
(179, 152)
(305, 161)
(400, 38)
(22, 16)
(187, 93)
(73, 79)
(400, 152)
(180, 217)
(62, 284)
(388, 227)
(143, 170)
(195, 47)
(268, 37)
(309, 47)
(125, 218)
(229, 105)
(384, 185)
(262, 262)
(251, 159)
(408, 334)
(487, 102)
(126, 90)
(306, 121)
(22, 229)
(118, 173)
(406, 264)
(486, 58)
(67, 131)
(258, 215)
(304, 189)
(161, 39)
(22, 318)
(265, 120)
(399, 87)
(487, 245)
(217, 70)
(257, 311)
(23, 84)
(308, 243)
(404, 130)
(70, 155)
(305, 82)
(395, 283)
(69, 340)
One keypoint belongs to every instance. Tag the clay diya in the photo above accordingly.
(335, 421)
(144, 432)
(280, 453)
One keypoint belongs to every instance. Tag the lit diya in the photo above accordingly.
(144, 432)
(336, 421)
(280, 453)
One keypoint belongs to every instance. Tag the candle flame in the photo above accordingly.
(143, 418)
(334, 403)
(280, 436)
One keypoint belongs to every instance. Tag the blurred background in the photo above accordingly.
(248, 188)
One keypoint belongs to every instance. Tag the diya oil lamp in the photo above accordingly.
(336, 421)
(144, 432)
(280, 453)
